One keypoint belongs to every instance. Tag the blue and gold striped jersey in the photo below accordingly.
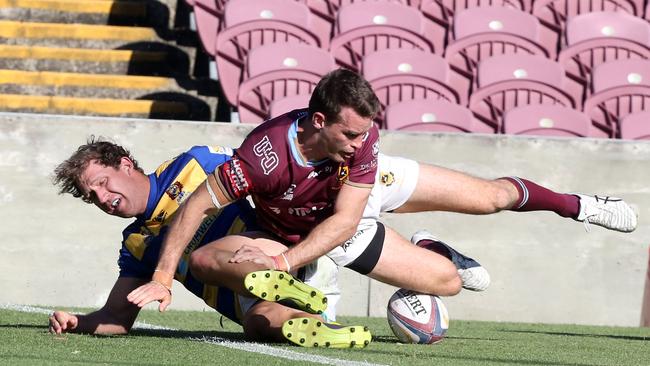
(171, 184)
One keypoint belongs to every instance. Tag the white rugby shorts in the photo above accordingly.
(395, 182)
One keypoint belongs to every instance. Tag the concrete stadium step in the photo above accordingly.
(99, 107)
(79, 84)
(31, 30)
(93, 36)
(118, 12)
(153, 59)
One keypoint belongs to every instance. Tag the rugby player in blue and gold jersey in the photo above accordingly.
(106, 175)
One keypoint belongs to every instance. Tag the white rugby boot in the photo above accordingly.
(609, 212)
(472, 274)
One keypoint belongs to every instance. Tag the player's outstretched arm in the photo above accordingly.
(181, 230)
(116, 317)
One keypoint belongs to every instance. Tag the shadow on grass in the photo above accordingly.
(611, 336)
(32, 326)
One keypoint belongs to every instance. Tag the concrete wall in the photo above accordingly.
(55, 250)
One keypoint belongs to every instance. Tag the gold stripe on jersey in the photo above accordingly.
(210, 295)
(238, 226)
(135, 244)
(163, 166)
(190, 177)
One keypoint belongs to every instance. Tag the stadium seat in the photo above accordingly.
(619, 88)
(549, 120)
(636, 126)
(284, 105)
(509, 81)
(252, 23)
(326, 10)
(275, 71)
(553, 14)
(405, 74)
(488, 31)
(369, 26)
(209, 17)
(433, 115)
(599, 37)
(440, 13)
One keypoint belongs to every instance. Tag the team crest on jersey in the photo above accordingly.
(375, 148)
(174, 190)
(343, 173)
(387, 178)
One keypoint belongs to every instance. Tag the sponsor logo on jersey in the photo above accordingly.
(288, 195)
(315, 173)
(368, 166)
(304, 211)
(387, 178)
(275, 210)
(162, 215)
(237, 177)
(269, 159)
(174, 190)
(220, 150)
(182, 196)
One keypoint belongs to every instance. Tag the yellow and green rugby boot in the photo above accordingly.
(311, 332)
(279, 286)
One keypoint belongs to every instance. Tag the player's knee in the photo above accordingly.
(201, 263)
(451, 283)
(502, 196)
(447, 282)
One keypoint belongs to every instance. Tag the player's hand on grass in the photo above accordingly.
(61, 322)
(249, 253)
(149, 292)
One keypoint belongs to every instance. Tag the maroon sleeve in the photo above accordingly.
(364, 165)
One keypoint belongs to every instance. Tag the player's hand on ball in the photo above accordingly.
(149, 292)
(249, 253)
(61, 322)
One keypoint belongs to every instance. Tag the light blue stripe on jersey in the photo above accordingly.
(293, 137)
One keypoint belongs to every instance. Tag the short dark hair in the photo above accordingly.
(67, 175)
(343, 88)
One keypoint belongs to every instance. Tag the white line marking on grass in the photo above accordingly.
(243, 346)
(283, 353)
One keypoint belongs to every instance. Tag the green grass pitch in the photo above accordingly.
(24, 340)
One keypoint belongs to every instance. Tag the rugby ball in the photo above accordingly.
(417, 318)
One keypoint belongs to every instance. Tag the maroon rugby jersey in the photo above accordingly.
(291, 195)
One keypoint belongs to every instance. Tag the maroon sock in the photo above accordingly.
(533, 197)
(434, 246)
